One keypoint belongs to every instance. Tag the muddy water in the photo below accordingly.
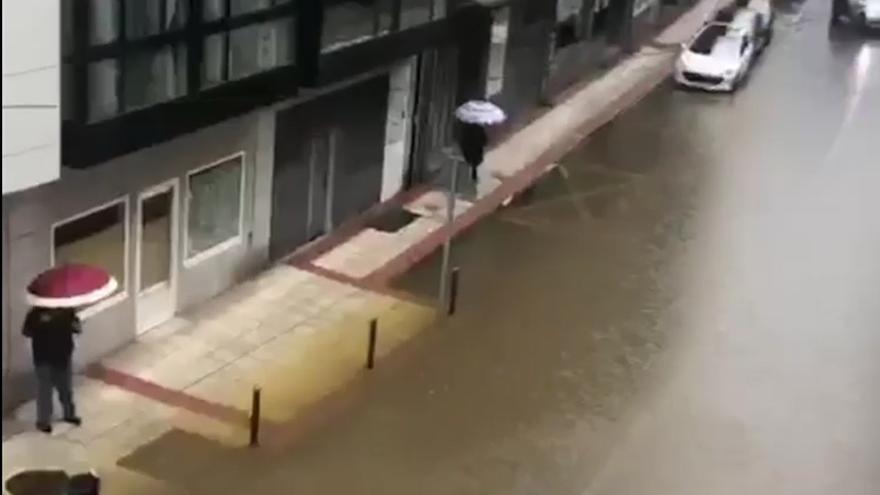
(562, 316)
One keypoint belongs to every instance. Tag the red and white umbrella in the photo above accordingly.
(70, 286)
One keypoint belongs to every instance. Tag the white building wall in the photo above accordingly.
(31, 93)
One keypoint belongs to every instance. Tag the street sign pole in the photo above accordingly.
(443, 297)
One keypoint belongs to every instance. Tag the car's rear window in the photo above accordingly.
(705, 41)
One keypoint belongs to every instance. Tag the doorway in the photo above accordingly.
(329, 155)
(322, 168)
(156, 257)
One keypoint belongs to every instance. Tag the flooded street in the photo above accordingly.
(687, 304)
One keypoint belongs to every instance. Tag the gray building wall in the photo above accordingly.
(28, 218)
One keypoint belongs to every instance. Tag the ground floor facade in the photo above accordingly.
(175, 224)
(181, 222)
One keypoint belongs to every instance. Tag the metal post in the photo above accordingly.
(447, 242)
(371, 343)
(453, 292)
(255, 417)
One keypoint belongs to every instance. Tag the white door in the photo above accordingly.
(156, 273)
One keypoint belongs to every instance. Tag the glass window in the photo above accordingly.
(66, 91)
(97, 238)
(497, 51)
(156, 237)
(439, 9)
(414, 12)
(154, 76)
(103, 89)
(260, 47)
(238, 7)
(148, 17)
(214, 206)
(104, 21)
(347, 22)
(214, 60)
(213, 9)
(385, 16)
(66, 27)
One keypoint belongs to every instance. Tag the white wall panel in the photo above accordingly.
(31, 93)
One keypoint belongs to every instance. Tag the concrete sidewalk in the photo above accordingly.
(299, 330)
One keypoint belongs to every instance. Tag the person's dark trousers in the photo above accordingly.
(49, 379)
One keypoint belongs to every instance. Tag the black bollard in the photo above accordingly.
(371, 343)
(255, 417)
(453, 292)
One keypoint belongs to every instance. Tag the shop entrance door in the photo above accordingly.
(156, 258)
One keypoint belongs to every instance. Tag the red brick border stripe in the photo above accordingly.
(168, 396)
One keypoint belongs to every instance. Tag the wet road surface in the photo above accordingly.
(690, 303)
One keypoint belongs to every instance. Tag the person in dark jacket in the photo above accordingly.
(51, 332)
(472, 140)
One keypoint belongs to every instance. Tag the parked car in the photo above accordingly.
(864, 13)
(720, 57)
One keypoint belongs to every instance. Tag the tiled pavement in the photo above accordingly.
(298, 331)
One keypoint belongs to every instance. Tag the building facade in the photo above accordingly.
(196, 142)
(201, 140)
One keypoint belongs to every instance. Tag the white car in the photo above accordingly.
(865, 13)
(717, 59)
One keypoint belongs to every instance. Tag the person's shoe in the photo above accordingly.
(44, 427)
(74, 420)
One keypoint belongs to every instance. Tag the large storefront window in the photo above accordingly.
(97, 238)
(214, 206)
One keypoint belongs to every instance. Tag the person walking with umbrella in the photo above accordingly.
(51, 325)
(473, 118)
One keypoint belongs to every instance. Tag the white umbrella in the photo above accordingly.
(480, 112)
